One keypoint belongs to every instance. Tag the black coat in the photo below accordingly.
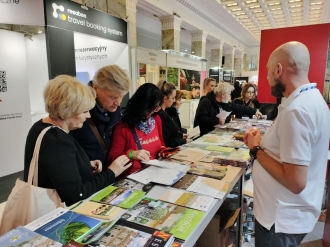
(208, 108)
(240, 101)
(171, 132)
(104, 122)
(173, 113)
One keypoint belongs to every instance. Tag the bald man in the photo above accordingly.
(290, 160)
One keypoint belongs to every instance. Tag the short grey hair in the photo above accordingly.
(223, 87)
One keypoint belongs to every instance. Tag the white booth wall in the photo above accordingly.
(15, 111)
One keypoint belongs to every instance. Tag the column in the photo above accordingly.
(171, 32)
(125, 9)
(198, 43)
(229, 59)
(216, 54)
(238, 64)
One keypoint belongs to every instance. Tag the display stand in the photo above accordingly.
(187, 112)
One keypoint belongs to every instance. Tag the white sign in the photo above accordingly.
(93, 53)
(184, 63)
(151, 57)
(24, 12)
(15, 113)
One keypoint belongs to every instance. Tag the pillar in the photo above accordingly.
(229, 59)
(198, 43)
(238, 64)
(216, 54)
(171, 32)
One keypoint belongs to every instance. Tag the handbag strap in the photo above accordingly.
(97, 135)
(33, 170)
(137, 141)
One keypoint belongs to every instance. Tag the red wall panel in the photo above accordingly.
(315, 37)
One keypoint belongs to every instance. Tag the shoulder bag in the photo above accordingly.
(28, 202)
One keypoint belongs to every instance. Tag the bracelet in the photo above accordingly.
(130, 155)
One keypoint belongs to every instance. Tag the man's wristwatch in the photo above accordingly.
(254, 150)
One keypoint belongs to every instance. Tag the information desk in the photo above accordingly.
(233, 175)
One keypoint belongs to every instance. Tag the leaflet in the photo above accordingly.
(209, 186)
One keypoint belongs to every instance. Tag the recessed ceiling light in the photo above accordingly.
(318, 3)
(39, 31)
(231, 4)
(186, 50)
(192, 52)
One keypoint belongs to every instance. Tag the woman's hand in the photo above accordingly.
(142, 155)
(97, 166)
(258, 114)
(120, 164)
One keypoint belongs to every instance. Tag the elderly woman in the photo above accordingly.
(139, 134)
(172, 133)
(248, 98)
(110, 83)
(216, 101)
(63, 165)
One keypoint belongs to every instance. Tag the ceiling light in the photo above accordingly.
(292, 1)
(298, 10)
(315, 8)
(254, 7)
(39, 31)
(256, 11)
(231, 4)
(192, 52)
(318, 3)
(251, 1)
(276, 9)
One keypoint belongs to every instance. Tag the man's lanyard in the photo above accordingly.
(307, 88)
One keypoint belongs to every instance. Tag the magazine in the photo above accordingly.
(121, 197)
(128, 184)
(98, 210)
(181, 197)
(163, 216)
(126, 234)
(69, 226)
(24, 237)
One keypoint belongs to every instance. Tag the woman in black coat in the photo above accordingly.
(173, 111)
(248, 98)
(208, 108)
(172, 133)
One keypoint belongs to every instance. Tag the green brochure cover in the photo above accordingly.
(121, 197)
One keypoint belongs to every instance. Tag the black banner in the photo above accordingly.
(71, 16)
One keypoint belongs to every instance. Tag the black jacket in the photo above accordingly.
(208, 108)
(171, 132)
(173, 113)
(240, 101)
(104, 121)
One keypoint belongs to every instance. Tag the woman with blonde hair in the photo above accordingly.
(248, 98)
(173, 136)
(209, 85)
(63, 165)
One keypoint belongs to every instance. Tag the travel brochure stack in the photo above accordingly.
(139, 210)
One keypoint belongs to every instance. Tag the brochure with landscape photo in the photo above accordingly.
(22, 237)
(121, 197)
(185, 181)
(128, 184)
(98, 210)
(181, 197)
(128, 234)
(163, 216)
(207, 173)
(69, 226)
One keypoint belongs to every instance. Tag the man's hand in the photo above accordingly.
(222, 121)
(252, 137)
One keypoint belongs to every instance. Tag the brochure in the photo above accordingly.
(69, 226)
(207, 173)
(181, 197)
(121, 197)
(168, 165)
(185, 181)
(210, 187)
(24, 237)
(157, 175)
(190, 154)
(163, 216)
(128, 184)
(98, 210)
(132, 235)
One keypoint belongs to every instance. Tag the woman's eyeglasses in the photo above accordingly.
(249, 92)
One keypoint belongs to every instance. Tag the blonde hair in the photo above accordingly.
(223, 87)
(179, 94)
(207, 82)
(112, 77)
(65, 96)
(166, 87)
